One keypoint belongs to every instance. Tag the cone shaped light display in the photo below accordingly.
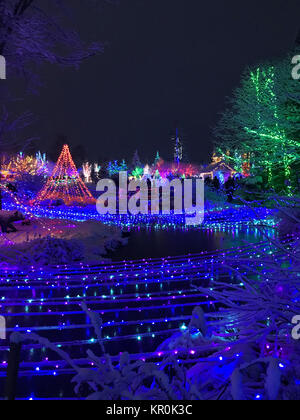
(65, 183)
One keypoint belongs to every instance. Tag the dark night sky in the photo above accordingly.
(167, 61)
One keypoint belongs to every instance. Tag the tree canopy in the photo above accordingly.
(260, 128)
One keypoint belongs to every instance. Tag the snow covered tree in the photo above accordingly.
(10, 129)
(32, 33)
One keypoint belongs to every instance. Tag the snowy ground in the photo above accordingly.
(51, 241)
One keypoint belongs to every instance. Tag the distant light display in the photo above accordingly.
(15, 167)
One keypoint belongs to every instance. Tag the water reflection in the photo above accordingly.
(164, 243)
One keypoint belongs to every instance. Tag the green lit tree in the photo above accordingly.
(261, 125)
(157, 158)
(138, 173)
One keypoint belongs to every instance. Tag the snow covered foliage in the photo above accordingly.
(50, 251)
(258, 356)
(136, 380)
(195, 335)
(289, 216)
(51, 241)
(125, 380)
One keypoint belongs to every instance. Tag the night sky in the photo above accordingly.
(166, 62)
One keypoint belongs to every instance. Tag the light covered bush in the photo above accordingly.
(28, 186)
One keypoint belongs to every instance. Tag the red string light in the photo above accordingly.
(65, 183)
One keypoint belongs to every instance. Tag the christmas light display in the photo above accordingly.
(263, 81)
(157, 175)
(260, 131)
(87, 172)
(163, 169)
(216, 218)
(48, 305)
(138, 173)
(113, 168)
(173, 170)
(246, 165)
(12, 202)
(178, 148)
(147, 171)
(65, 183)
(49, 298)
(17, 166)
(157, 158)
(41, 156)
(97, 169)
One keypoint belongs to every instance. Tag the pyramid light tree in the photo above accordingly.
(65, 183)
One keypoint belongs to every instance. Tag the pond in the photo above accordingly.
(157, 243)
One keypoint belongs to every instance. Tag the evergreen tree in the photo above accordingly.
(123, 166)
(136, 162)
(157, 158)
